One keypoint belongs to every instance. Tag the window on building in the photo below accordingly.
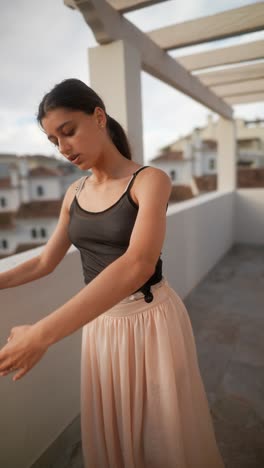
(33, 232)
(173, 174)
(211, 164)
(40, 190)
(43, 232)
(4, 244)
(3, 201)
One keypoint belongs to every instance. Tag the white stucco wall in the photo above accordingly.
(51, 187)
(183, 170)
(249, 216)
(199, 232)
(12, 198)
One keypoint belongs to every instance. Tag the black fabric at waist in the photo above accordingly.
(155, 278)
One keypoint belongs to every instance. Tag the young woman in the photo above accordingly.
(143, 403)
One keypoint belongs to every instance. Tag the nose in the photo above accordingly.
(64, 147)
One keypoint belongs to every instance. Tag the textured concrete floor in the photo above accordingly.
(227, 313)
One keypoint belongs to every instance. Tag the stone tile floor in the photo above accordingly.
(227, 313)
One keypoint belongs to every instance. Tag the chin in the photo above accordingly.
(84, 166)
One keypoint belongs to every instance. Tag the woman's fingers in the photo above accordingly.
(22, 352)
(20, 374)
(7, 371)
(6, 364)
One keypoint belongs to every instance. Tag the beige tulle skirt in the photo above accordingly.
(143, 403)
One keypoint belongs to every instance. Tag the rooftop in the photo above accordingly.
(226, 312)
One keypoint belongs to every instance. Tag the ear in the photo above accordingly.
(100, 117)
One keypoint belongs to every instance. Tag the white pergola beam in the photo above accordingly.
(245, 87)
(123, 6)
(108, 26)
(210, 28)
(232, 75)
(223, 56)
(245, 98)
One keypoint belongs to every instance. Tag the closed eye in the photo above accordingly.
(55, 142)
(70, 133)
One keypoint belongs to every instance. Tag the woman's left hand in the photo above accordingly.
(23, 350)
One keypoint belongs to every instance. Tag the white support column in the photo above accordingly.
(115, 76)
(226, 156)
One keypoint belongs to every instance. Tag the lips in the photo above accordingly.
(73, 158)
(76, 160)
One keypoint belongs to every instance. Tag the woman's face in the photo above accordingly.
(76, 133)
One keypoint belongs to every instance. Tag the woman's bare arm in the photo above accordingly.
(23, 273)
(51, 255)
(126, 274)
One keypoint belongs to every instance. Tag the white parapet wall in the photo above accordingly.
(199, 233)
(249, 216)
(36, 409)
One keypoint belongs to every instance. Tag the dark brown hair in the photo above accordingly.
(75, 95)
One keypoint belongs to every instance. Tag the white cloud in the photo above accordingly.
(25, 138)
(43, 42)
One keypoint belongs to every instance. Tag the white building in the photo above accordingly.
(196, 153)
(30, 200)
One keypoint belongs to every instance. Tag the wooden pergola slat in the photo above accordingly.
(123, 6)
(108, 26)
(245, 98)
(245, 87)
(216, 90)
(232, 75)
(210, 28)
(223, 56)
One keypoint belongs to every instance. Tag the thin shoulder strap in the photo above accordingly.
(133, 177)
(80, 186)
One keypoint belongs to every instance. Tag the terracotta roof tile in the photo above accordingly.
(170, 156)
(180, 193)
(40, 209)
(7, 220)
(248, 177)
(208, 143)
(5, 182)
(7, 227)
(42, 171)
(206, 183)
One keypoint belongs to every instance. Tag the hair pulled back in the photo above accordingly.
(74, 94)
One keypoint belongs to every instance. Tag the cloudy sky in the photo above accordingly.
(43, 42)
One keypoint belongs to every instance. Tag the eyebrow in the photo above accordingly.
(59, 128)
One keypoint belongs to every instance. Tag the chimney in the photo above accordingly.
(240, 123)
(13, 171)
(210, 125)
(23, 167)
(23, 175)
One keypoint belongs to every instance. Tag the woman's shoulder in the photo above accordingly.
(152, 181)
(159, 175)
(72, 190)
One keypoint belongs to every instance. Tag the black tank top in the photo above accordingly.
(101, 237)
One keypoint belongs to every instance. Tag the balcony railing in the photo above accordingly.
(36, 409)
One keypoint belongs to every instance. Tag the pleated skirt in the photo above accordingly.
(143, 402)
